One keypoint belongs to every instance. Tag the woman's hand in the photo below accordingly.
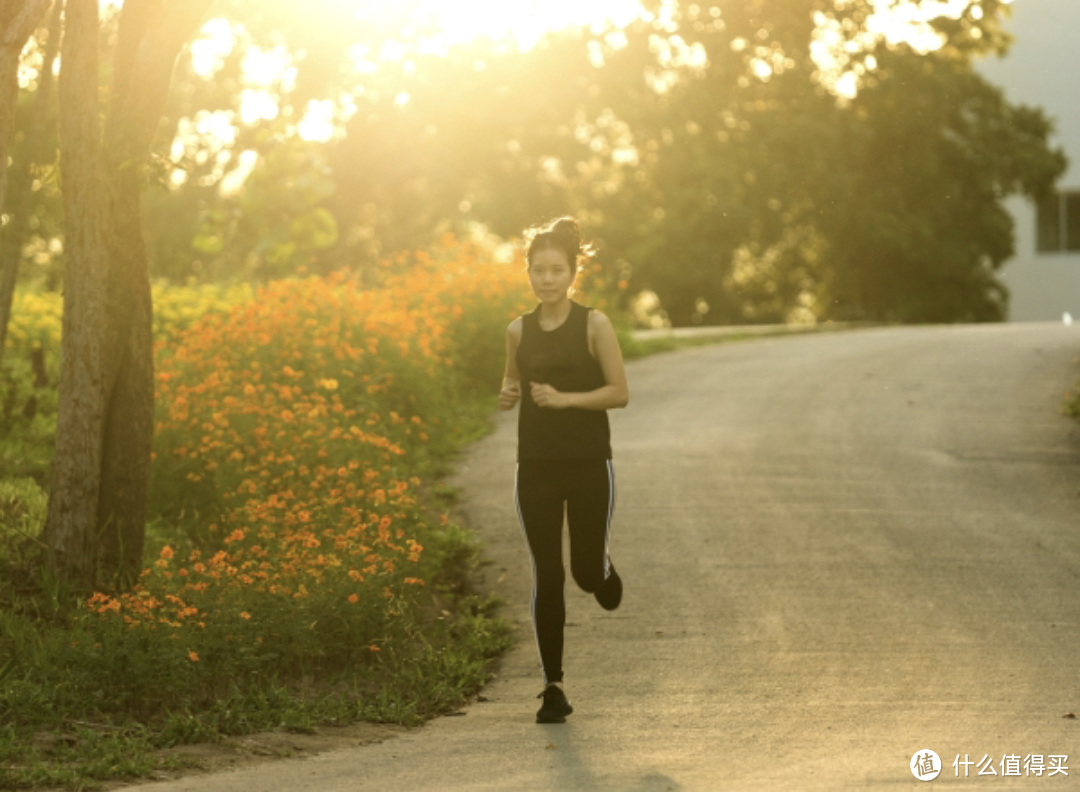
(509, 395)
(547, 396)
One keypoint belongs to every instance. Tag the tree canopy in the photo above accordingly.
(746, 161)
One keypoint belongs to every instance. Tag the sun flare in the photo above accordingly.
(423, 27)
(524, 22)
(412, 29)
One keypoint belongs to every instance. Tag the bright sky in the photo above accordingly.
(270, 72)
(522, 21)
(448, 24)
(894, 22)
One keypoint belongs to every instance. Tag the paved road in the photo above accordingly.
(838, 549)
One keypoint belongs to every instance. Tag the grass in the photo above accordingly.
(1071, 404)
(303, 570)
(62, 731)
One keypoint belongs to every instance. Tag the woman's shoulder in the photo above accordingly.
(514, 328)
(597, 318)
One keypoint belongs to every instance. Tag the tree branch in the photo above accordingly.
(17, 21)
(152, 33)
(18, 18)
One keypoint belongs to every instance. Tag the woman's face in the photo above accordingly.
(550, 275)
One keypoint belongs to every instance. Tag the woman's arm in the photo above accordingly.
(511, 385)
(615, 393)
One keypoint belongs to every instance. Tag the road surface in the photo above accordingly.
(838, 550)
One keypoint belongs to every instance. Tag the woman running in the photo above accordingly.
(564, 364)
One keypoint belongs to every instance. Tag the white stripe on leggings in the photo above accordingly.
(610, 514)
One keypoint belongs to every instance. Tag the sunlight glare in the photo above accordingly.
(209, 52)
(318, 122)
(256, 105)
(909, 23)
(234, 179)
(266, 67)
(417, 28)
(522, 21)
(893, 22)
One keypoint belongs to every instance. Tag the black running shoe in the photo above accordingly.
(609, 595)
(555, 708)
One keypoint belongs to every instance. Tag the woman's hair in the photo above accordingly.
(562, 234)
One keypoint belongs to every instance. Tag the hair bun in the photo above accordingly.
(568, 228)
(562, 233)
(567, 231)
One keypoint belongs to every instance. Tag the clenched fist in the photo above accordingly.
(509, 396)
(547, 396)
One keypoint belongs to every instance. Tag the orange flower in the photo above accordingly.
(193, 656)
(292, 477)
(166, 552)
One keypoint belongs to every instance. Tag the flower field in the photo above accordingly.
(292, 432)
(293, 534)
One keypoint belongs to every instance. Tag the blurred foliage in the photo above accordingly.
(295, 426)
(711, 149)
(302, 570)
(407, 292)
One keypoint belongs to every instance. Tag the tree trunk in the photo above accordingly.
(101, 471)
(72, 525)
(13, 235)
(17, 21)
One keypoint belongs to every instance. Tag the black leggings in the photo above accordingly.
(586, 487)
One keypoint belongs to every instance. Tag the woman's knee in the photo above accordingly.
(550, 578)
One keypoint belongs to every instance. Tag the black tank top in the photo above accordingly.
(560, 358)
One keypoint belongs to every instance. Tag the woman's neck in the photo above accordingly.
(555, 313)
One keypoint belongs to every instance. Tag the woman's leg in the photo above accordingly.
(540, 499)
(590, 505)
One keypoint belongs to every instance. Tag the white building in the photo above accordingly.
(1042, 69)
